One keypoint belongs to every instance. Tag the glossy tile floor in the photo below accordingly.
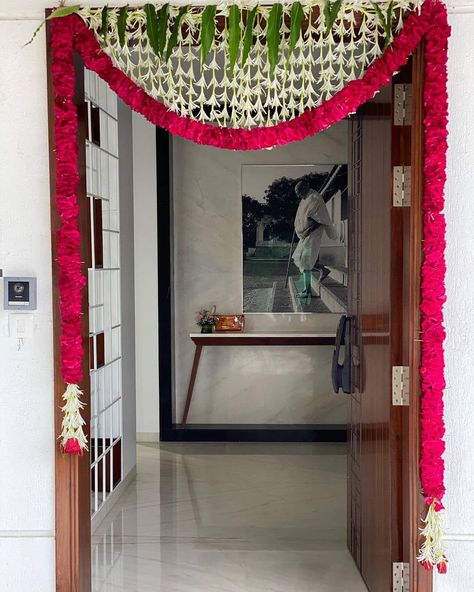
(229, 517)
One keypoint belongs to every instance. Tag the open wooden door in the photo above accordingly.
(380, 306)
(372, 466)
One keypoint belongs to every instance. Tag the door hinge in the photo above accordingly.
(401, 577)
(400, 385)
(401, 186)
(403, 104)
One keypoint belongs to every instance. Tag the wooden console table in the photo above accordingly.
(218, 339)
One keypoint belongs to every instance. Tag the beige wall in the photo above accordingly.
(145, 278)
(242, 384)
(127, 295)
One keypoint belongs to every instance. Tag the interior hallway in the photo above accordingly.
(229, 517)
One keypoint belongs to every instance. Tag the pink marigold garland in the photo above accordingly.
(431, 24)
(433, 293)
(71, 278)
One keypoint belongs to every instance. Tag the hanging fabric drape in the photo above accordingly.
(248, 77)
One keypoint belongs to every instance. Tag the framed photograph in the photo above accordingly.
(294, 238)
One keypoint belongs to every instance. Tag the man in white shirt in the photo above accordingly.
(311, 221)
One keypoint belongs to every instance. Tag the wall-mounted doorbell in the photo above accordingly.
(19, 293)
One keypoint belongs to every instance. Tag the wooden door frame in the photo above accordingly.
(72, 474)
(421, 580)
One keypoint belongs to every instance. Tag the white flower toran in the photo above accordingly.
(324, 60)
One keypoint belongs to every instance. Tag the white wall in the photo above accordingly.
(26, 374)
(127, 291)
(459, 309)
(146, 278)
(26, 397)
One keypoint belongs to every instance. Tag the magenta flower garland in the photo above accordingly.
(71, 278)
(430, 24)
(433, 292)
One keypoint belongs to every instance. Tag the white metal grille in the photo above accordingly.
(102, 174)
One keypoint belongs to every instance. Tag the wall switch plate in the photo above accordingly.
(20, 325)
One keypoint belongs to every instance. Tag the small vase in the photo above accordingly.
(206, 328)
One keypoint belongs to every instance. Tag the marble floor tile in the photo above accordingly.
(228, 518)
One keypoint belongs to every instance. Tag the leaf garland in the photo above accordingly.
(122, 24)
(173, 40)
(152, 26)
(248, 35)
(162, 28)
(331, 10)
(158, 25)
(208, 31)
(235, 34)
(273, 36)
(105, 23)
(296, 22)
(386, 22)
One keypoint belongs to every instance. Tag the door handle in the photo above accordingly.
(341, 373)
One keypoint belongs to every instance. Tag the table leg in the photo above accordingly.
(192, 380)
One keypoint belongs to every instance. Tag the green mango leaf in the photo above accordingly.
(380, 14)
(58, 13)
(173, 40)
(386, 22)
(327, 13)
(208, 31)
(273, 36)
(122, 24)
(105, 23)
(331, 10)
(152, 27)
(388, 28)
(235, 34)
(296, 21)
(162, 28)
(64, 11)
(248, 35)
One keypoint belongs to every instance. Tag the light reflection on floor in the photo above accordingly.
(229, 517)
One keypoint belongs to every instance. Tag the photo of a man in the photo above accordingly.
(294, 229)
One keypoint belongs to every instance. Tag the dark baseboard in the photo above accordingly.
(254, 433)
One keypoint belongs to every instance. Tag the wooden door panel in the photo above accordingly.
(370, 456)
(384, 262)
(374, 319)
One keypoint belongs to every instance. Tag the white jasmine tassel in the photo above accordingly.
(431, 552)
(73, 439)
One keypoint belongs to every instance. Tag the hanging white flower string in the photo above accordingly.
(286, 58)
(73, 439)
